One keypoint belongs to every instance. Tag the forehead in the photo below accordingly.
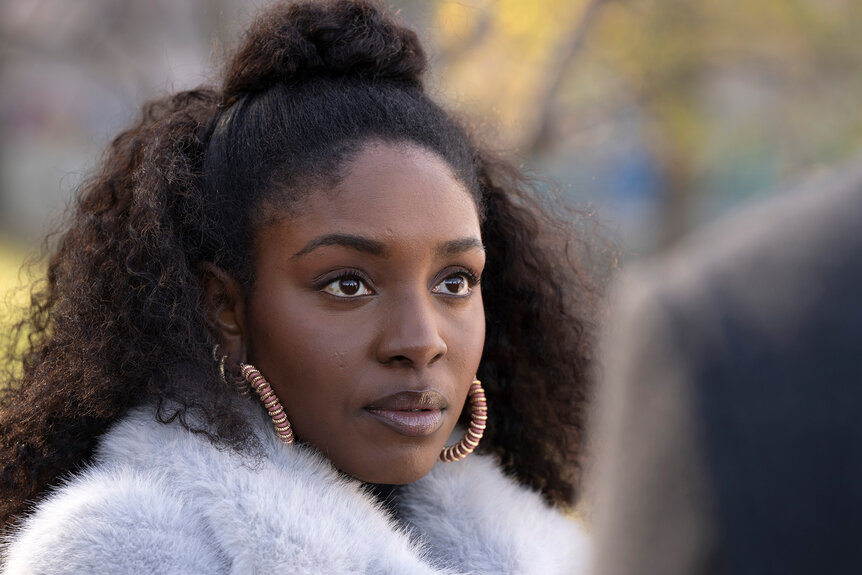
(391, 189)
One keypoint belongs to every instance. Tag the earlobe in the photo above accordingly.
(225, 309)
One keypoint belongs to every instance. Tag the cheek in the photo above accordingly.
(474, 333)
(465, 344)
(303, 353)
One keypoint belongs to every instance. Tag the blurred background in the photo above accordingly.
(658, 115)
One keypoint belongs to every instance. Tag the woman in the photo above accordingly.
(264, 321)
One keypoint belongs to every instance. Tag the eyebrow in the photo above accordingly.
(455, 247)
(357, 243)
(376, 248)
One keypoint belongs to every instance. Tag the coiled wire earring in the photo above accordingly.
(270, 402)
(478, 422)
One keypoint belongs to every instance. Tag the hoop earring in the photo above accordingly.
(478, 421)
(270, 402)
(239, 383)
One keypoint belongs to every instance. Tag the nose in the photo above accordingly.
(411, 334)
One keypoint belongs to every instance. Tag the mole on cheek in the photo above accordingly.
(338, 358)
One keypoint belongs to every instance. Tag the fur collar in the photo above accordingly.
(160, 499)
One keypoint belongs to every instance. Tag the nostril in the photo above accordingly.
(410, 339)
(400, 359)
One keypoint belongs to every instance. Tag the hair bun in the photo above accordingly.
(351, 38)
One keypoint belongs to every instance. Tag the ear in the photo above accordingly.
(225, 310)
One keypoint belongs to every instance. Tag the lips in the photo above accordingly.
(410, 413)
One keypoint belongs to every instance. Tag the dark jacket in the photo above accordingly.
(730, 426)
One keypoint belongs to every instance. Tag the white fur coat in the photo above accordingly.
(159, 499)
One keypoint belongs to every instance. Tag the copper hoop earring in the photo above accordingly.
(270, 402)
(478, 421)
(239, 383)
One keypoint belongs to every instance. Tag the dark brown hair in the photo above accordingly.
(120, 321)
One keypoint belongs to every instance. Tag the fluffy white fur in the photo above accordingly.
(159, 499)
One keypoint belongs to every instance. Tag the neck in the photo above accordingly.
(386, 495)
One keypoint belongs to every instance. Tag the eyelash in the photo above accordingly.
(472, 280)
(471, 277)
(342, 275)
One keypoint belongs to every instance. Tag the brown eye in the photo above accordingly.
(456, 285)
(347, 287)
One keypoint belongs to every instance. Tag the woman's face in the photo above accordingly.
(366, 316)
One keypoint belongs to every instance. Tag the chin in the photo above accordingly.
(393, 470)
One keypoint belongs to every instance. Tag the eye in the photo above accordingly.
(347, 287)
(459, 284)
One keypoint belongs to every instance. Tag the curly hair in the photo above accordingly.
(120, 319)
